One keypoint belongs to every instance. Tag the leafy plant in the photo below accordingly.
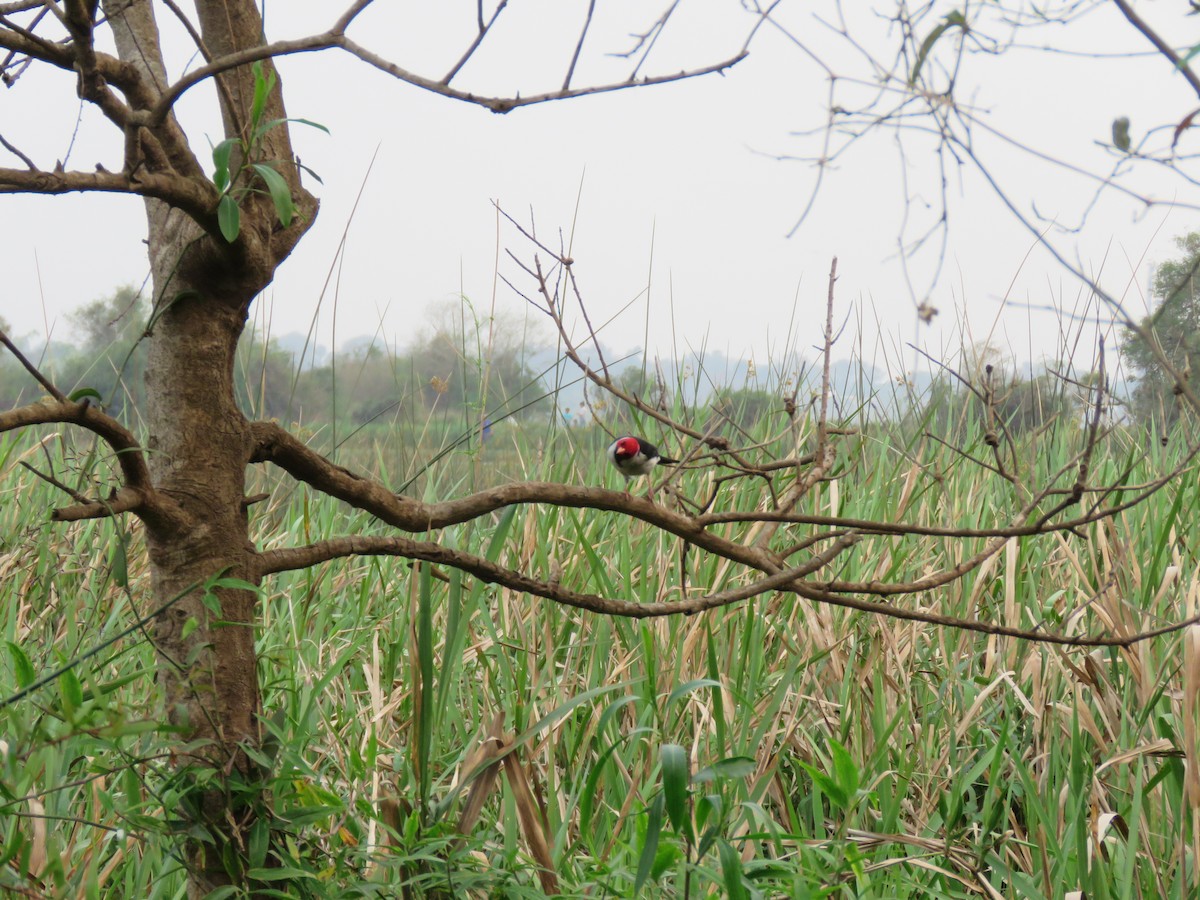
(228, 171)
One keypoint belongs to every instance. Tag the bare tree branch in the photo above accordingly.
(20, 6)
(198, 199)
(17, 153)
(334, 39)
(51, 480)
(1160, 44)
(274, 444)
(273, 561)
(481, 33)
(122, 500)
(138, 485)
(119, 501)
(32, 369)
(587, 23)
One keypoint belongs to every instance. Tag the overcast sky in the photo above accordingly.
(677, 188)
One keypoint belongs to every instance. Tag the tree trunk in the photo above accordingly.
(199, 447)
(199, 443)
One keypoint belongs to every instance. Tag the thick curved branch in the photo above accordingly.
(334, 39)
(138, 494)
(198, 199)
(21, 41)
(78, 20)
(123, 500)
(274, 561)
(276, 445)
(62, 56)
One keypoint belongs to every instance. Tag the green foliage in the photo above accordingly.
(1174, 323)
(444, 373)
(637, 382)
(748, 408)
(1000, 403)
(234, 158)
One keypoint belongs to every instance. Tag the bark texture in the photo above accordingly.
(199, 442)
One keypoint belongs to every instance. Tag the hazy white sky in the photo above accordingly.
(676, 187)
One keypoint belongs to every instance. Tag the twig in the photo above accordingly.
(275, 561)
(17, 153)
(1160, 44)
(482, 32)
(579, 45)
(32, 369)
(50, 479)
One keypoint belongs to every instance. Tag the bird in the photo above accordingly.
(635, 457)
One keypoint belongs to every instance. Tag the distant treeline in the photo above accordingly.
(471, 371)
(447, 369)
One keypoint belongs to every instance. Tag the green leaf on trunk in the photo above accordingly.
(221, 155)
(229, 218)
(281, 194)
(263, 86)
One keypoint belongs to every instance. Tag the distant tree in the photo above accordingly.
(107, 356)
(649, 386)
(938, 409)
(635, 381)
(478, 363)
(998, 398)
(1026, 404)
(1174, 323)
(747, 407)
(108, 321)
(14, 385)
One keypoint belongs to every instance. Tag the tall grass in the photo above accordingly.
(775, 748)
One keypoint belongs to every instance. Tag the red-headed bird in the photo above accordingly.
(634, 457)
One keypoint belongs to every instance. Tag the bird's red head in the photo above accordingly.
(627, 448)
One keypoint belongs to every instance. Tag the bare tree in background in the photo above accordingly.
(923, 75)
(215, 243)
